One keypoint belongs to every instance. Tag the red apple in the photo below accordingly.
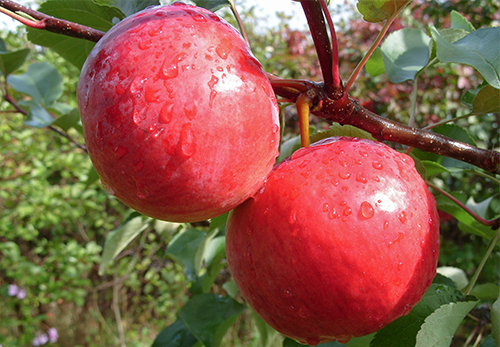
(180, 120)
(341, 240)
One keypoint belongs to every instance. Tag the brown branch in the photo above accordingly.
(49, 23)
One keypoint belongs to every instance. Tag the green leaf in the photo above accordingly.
(92, 176)
(188, 249)
(11, 61)
(495, 321)
(439, 328)
(458, 133)
(466, 222)
(341, 130)
(267, 337)
(455, 274)
(478, 49)
(218, 222)
(70, 120)
(176, 334)
(486, 291)
(38, 116)
(432, 168)
(403, 331)
(374, 11)
(130, 7)
(405, 52)
(208, 316)
(489, 342)
(212, 5)
(84, 12)
(42, 82)
(288, 147)
(487, 100)
(375, 64)
(119, 238)
(460, 22)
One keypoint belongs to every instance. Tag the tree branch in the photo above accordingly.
(49, 23)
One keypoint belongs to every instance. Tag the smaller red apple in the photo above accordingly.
(342, 240)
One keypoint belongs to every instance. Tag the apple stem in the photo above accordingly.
(304, 103)
(374, 45)
(493, 223)
(491, 246)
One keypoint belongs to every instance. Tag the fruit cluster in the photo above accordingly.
(182, 124)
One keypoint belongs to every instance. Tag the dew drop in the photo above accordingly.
(363, 153)
(343, 203)
(377, 165)
(367, 210)
(292, 218)
(170, 68)
(400, 265)
(120, 152)
(326, 207)
(333, 213)
(287, 294)
(386, 225)
(166, 111)
(151, 93)
(187, 141)
(213, 94)
(402, 217)
(224, 48)
(347, 211)
(137, 85)
(343, 162)
(304, 163)
(344, 175)
(360, 177)
(139, 114)
(275, 128)
(190, 111)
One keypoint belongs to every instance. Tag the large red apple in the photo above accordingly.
(342, 240)
(180, 120)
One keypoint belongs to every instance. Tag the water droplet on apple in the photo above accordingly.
(187, 141)
(363, 153)
(360, 177)
(326, 207)
(312, 341)
(287, 294)
(292, 218)
(213, 94)
(137, 85)
(333, 213)
(120, 152)
(367, 210)
(275, 128)
(377, 165)
(166, 111)
(400, 265)
(224, 48)
(343, 162)
(170, 68)
(347, 211)
(402, 217)
(386, 225)
(139, 114)
(344, 175)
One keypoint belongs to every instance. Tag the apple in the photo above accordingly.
(341, 240)
(180, 120)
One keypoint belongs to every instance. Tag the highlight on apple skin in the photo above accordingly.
(179, 118)
(342, 240)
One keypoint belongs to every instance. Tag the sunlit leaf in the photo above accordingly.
(439, 328)
(84, 12)
(460, 22)
(375, 64)
(119, 238)
(405, 52)
(478, 49)
(374, 11)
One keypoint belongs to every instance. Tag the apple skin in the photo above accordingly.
(180, 120)
(342, 240)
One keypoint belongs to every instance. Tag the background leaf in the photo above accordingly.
(176, 334)
(42, 82)
(11, 61)
(208, 316)
(460, 22)
(84, 12)
(487, 100)
(405, 52)
(478, 49)
(495, 321)
(119, 238)
(212, 5)
(374, 11)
